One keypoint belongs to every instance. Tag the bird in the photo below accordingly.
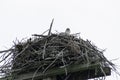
(67, 31)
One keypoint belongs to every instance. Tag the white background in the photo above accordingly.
(96, 20)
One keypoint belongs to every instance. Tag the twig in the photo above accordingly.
(6, 50)
(44, 50)
(49, 33)
(102, 70)
(39, 35)
(64, 63)
(36, 72)
(45, 31)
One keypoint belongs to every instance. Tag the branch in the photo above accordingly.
(50, 27)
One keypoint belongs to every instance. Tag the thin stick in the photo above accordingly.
(6, 50)
(64, 63)
(35, 72)
(44, 50)
(50, 27)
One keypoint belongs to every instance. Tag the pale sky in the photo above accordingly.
(96, 20)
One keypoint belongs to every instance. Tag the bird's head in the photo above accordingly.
(67, 31)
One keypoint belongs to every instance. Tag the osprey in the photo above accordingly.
(67, 31)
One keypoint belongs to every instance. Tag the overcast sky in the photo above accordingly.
(96, 20)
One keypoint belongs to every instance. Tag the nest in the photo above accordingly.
(43, 52)
(54, 51)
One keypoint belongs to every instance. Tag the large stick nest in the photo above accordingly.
(43, 52)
